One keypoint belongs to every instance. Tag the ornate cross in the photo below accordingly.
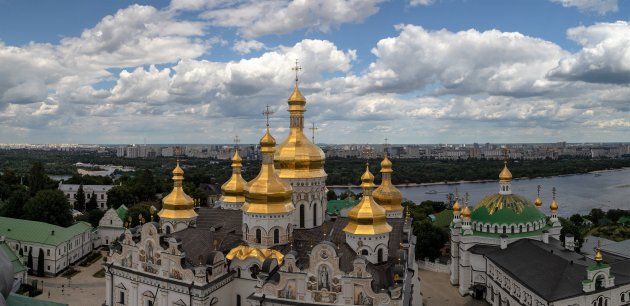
(267, 112)
(553, 192)
(386, 145)
(505, 153)
(297, 68)
(538, 190)
(313, 129)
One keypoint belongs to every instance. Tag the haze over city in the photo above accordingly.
(412, 71)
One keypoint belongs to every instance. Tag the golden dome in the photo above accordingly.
(538, 202)
(233, 191)
(297, 156)
(367, 217)
(267, 193)
(598, 255)
(554, 205)
(387, 195)
(243, 252)
(177, 204)
(456, 207)
(466, 212)
(505, 174)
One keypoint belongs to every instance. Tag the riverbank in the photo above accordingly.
(481, 181)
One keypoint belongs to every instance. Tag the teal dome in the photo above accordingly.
(506, 209)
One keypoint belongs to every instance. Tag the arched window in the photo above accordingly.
(380, 255)
(504, 229)
(302, 216)
(364, 252)
(258, 235)
(238, 300)
(315, 215)
(487, 227)
(168, 229)
(276, 236)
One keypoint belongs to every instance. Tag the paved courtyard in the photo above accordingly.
(437, 291)
(82, 289)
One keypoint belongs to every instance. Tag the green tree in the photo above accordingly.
(79, 197)
(145, 186)
(596, 215)
(577, 219)
(430, 240)
(93, 217)
(14, 205)
(92, 203)
(120, 195)
(37, 177)
(9, 177)
(331, 195)
(569, 228)
(29, 261)
(40, 263)
(140, 209)
(50, 206)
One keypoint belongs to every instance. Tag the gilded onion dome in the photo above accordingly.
(466, 212)
(387, 195)
(267, 193)
(177, 204)
(538, 202)
(554, 204)
(456, 207)
(297, 156)
(233, 191)
(242, 252)
(367, 217)
(598, 255)
(505, 174)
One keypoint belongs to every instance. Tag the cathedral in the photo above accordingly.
(269, 241)
(507, 252)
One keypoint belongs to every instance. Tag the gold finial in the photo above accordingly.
(297, 68)
(267, 112)
(215, 243)
(554, 203)
(313, 129)
(598, 255)
(151, 217)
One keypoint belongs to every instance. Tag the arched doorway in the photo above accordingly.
(380, 255)
(276, 236)
(238, 300)
(315, 215)
(258, 235)
(302, 216)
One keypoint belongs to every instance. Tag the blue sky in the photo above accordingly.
(418, 71)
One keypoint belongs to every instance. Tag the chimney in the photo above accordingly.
(569, 242)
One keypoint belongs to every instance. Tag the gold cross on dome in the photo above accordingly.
(313, 129)
(267, 112)
(297, 68)
(553, 192)
(538, 190)
(505, 153)
(236, 141)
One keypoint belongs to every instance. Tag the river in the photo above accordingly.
(577, 193)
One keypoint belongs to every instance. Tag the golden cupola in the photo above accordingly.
(538, 201)
(367, 217)
(233, 191)
(297, 156)
(505, 174)
(387, 195)
(456, 207)
(177, 204)
(267, 193)
(554, 204)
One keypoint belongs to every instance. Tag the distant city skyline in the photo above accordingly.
(416, 71)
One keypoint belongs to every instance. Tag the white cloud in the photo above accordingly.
(604, 57)
(259, 18)
(466, 62)
(599, 6)
(421, 2)
(247, 46)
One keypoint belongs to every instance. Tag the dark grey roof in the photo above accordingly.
(548, 270)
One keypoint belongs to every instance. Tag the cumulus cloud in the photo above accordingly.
(466, 62)
(259, 18)
(598, 6)
(247, 46)
(421, 2)
(604, 57)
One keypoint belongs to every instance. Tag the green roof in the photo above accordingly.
(537, 232)
(21, 300)
(15, 261)
(443, 218)
(40, 232)
(506, 209)
(335, 206)
(122, 212)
